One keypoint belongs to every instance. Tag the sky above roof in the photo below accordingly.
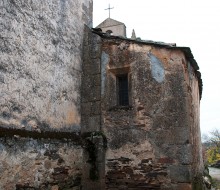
(190, 23)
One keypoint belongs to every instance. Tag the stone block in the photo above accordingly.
(180, 174)
(95, 50)
(94, 123)
(95, 67)
(91, 94)
(96, 80)
(96, 39)
(86, 92)
(91, 66)
(90, 123)
(95, 94)
(87, 36)
(84, 123)
(86, 108)
(96, 108)
(86, 56)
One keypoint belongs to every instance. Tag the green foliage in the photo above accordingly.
(213, 155)
(212, 145)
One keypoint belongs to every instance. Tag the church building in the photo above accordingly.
(85, 108)
(113, 27)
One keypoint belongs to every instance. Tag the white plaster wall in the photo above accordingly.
(40, 63)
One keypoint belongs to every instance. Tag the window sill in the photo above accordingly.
(117, 108)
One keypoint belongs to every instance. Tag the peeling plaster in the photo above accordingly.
(157, 68)
(104, 61)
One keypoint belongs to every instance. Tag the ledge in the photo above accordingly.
(19, 133)
(116, 108)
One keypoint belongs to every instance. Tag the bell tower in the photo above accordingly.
(113, 27)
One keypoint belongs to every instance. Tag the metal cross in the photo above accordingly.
(109, 8)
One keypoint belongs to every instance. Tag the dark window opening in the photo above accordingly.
(109, 32)
(123, 99)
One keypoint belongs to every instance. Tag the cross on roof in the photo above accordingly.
(109, 8)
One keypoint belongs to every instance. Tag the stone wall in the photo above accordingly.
(45, 164)
(60, 123)
(94, 151)
(91, 82)
(194, 110)
(40, 66)
(41, 45)
(151, 142)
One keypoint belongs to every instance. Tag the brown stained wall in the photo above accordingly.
(151, 141)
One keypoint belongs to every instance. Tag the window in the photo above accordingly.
(109, 32)
(123, 98)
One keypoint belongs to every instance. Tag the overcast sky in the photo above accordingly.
(191, 23)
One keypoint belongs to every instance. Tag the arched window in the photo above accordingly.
(109, 32)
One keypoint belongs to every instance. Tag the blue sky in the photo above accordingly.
(191, 23)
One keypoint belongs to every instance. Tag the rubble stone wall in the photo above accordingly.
(150, 142)
(27, 163)
(60, 123)
(40, 93)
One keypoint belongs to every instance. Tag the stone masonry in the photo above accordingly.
(61, 124)
(154, 142)
(41, 63)
(40, 93)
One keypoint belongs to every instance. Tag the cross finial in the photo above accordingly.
(109, 8)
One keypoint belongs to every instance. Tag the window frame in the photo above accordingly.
(123, 98)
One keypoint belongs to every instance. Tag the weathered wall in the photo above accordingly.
(150, 142)
(40, 93)
(94, 152)
(194, 110)
(117, 30)
(40, 68)
(54, 129)
(44, 164)
(91, 82)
